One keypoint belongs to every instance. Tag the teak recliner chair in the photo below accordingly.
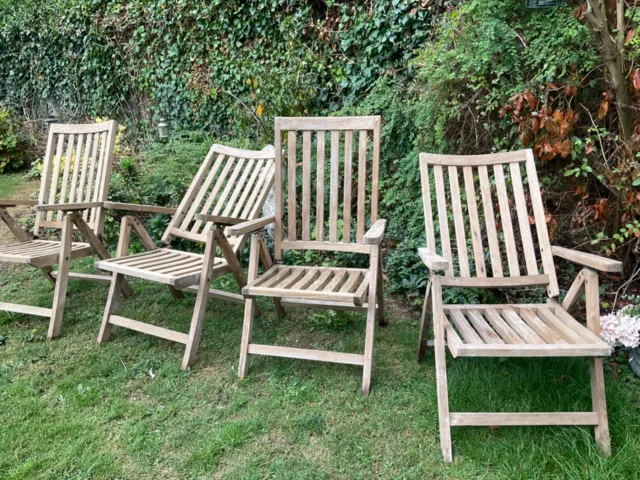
(477, 260)
(75, 183)
(230, 187)
(321, 287)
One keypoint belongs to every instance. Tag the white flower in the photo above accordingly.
(621, 328)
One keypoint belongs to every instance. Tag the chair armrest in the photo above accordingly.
(217, 219)
(13, 203)
(249, 226)
(587, 259)
(432, 260)
(375, 233)
(68, 206)
(134, 207)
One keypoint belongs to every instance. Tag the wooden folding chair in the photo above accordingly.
(74, 186)
(230, 187)
(497, 182)
(321, 287)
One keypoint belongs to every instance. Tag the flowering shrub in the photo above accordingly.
(622, 328)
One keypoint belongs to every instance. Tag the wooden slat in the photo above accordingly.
(261, 166)
(490, 222)
(362, 184)
(474, 222)
(483, 328)
(348, 177)
(375, 171)
(517, 419)
(321, 143)
(523, 220)
(473, 160)
(213, 194)
(335, 246)
(351, 282)
(277, 248)
(65, 175)
(442, 218)
(537, 350)
(584, 332)
(149, 329)
(458, 221)
(276, 279)
(305, 354)
(239, 187)
(260, 193)
(520, 327)
(501, 327)
(25, 309)
(81, 162)
(53, 190)
(541, 328)
(291, 194)
(97, 183)
(505, 221)
(333, 185)
(306, 185)
(305, 281)
(496, 282)
(224, 195)
(561, 328)
(466, 330)
(291, 280)
(426, 202)
(541, 225)
(336, 282)
(321, 281)
(328, 123)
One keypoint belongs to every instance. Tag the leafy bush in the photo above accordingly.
(15, 149)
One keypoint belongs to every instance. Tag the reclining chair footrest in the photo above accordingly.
(305, 354)
(149, 329)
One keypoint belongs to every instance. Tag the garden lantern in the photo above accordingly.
(163, 129)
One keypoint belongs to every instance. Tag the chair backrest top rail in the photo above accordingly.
(500, 158)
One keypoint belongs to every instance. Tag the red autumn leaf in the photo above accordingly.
(604, 108)
(636, 79)
(530, 98)
(589, 148)
(630, 34)
(565, 150)
(535, 125)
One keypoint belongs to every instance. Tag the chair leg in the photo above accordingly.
(247, 327)
(425, 324)
(265, 258)
(115, 290)
(598, 398)
(249, 308)
(371, 322)
(382, 319)
(441, 372)
(60, 292)
(201, 302)
(599, 403)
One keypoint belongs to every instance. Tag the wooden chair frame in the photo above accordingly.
(538, 330)
(75, 184)
(230, 187)
(320, 287)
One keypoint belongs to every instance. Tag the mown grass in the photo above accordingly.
(73, 409)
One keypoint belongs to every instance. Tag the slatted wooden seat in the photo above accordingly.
(230, 187)
(313, 283)
(40, 253)
(352, 226)
(75, 182)
(499, 239)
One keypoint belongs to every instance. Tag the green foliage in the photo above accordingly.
(14, 146)
(223, 65)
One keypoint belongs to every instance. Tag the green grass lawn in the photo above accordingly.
(73, 409)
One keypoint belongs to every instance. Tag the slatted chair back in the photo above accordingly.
(76, 169)
(325, 183)
(488, 238)
(232, 183)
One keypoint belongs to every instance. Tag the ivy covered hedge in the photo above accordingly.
(219, 65)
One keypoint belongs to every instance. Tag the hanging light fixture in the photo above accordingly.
(163, 129)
